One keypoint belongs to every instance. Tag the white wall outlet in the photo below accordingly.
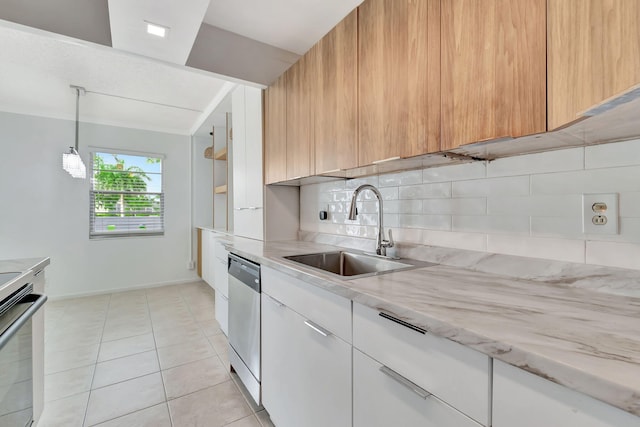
(191, 265)
(600, 213)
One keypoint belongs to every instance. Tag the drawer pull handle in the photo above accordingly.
(322, 331)
(405, 382)
(403, 323)
(278, 303)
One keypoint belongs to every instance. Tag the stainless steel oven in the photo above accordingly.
(244, 322)
(16, 356)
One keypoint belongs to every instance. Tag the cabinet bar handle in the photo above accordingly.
(317, 328)
(403, 323)
(405, 382)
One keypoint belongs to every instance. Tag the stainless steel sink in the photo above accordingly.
(350, 265)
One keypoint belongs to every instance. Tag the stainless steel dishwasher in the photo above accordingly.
(244, 322)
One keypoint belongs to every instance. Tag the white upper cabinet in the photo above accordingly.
(247, 162)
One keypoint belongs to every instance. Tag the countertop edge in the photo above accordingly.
(556, 371)
(26, 266)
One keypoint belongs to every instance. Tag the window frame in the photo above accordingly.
(106, 234)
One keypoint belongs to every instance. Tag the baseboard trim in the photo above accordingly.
(125, 289)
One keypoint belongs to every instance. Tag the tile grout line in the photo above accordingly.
(86, 409)
(155, 344)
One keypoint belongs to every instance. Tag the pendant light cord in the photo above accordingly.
(77, 115)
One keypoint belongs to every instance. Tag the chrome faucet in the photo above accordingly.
(381, 243)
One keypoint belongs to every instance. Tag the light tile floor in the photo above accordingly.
(153, 357)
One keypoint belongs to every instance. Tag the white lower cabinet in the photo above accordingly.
(208, 241)
(221, 284)
(522, 399)
(222, 312)
(382, 398)
(306, 370)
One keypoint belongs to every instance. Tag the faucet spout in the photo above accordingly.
(381, 243)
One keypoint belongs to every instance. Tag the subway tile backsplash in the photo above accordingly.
(526, 205)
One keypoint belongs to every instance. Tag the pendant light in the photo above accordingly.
(71, 161)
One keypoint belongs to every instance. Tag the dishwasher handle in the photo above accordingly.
(244, 271)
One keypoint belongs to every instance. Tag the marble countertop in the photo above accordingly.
(585, 340)
(25, 266)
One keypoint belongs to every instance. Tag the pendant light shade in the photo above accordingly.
(71, 161)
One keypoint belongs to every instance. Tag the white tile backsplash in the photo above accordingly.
(423, 191)
(624, 153)
(536, 247)
(548, 205)
(607, 180)
(510, 186)
(465, 171)
(402, 178)
(552, 161)
(526, 205)
(629, 204)
(491, 224)
(405, 207)
(549, 226)
(613, 254)
(470, 206)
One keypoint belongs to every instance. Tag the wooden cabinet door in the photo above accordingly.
(300, 82)
(593, 54)
(493, 70)
(398, 79)
(336, 102)
(275, 133)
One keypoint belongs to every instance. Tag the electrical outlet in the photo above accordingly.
(191, 265)
(600, 213)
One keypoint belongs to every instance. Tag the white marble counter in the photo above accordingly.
(570, 334)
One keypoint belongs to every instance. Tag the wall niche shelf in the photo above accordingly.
(220, 154)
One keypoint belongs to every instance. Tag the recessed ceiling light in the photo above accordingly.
(156, 30)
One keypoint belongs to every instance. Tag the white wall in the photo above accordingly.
(202, 183)
(526, 205)
(45, 212)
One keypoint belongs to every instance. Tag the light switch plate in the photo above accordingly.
(600, 213)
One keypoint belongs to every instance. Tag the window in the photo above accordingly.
(126, 195)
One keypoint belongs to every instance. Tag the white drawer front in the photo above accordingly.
(525, 400)
(455, 374)
(379, 400)
(328, 310)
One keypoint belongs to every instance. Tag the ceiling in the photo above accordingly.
(137, 80)
(293, 25)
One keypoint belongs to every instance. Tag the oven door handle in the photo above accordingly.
(37, 302)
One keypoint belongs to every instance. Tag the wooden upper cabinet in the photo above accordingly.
(336, 103)
(398, 79)
(593, 54)
(493, 69)
(275, 132)
(300, 82)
